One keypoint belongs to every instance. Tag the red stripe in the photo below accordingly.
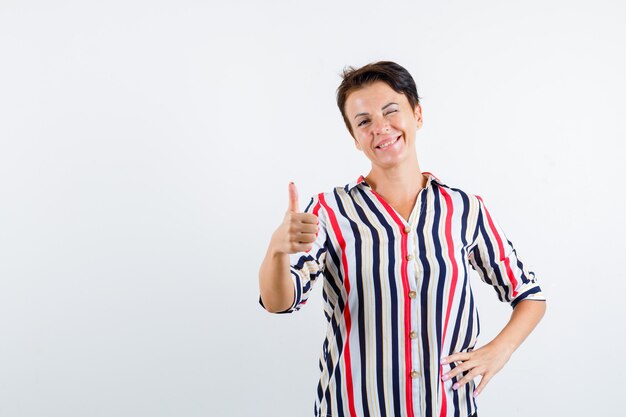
(407, 303)
(502, 257)
(346, 310)
(318, 205)
(444, 402)
(455, 275)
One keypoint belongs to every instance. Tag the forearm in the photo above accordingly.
(275, 283)
(489, 359)
(523, 320)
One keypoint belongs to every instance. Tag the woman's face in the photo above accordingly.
(383, 123)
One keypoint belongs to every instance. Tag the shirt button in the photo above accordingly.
(412, 294)
(414, 374)
(413, 335)
(409, 257)
(407, 229)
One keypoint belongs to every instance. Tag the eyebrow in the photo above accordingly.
(384, 107)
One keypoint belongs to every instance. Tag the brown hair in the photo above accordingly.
(394, 75)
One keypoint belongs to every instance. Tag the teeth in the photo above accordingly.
(384, 145)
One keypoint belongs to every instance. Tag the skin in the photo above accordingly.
(393, 177)
(377, 112)
(489, 359)
(296, 233)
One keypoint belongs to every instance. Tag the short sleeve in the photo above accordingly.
(498, 264)
(307, 267)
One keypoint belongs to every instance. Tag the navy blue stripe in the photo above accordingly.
(457, 331)
(378, 317)
(524, 278)
(479, 263)
(464, 214)
(468, 398)
(457, 323)
(441, 279)
(525, 294)
(298, 288)
(328, 302)
(501, 289)
(457, 327)
(335, 281)
(493, 261)
(329, 277)
(306, 210)
(393, 293)
(455, 401)
(358, 275)
(329, 401)
(338, 389)
(465, 283)
(423, 313)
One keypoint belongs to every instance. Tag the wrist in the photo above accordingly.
(505, 346)
(273, 251)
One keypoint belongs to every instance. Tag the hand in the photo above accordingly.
(486, 361)
(298, 230)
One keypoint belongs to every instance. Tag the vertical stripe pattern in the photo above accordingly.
(397, 296)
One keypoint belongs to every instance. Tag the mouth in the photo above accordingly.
(388, 143)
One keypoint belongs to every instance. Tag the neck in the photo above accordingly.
(397, 183)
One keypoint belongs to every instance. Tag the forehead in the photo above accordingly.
(373, 97)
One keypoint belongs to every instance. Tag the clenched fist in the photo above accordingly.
(298, 230)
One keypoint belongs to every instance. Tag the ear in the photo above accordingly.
(418, 115)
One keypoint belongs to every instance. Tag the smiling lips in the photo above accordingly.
(388, 143)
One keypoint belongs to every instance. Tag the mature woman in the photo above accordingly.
(395, 248)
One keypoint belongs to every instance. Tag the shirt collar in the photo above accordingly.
(361, 181)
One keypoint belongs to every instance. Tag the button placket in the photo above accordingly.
(413, 270)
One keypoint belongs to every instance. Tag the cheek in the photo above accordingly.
(397, 120)
(357, 140)
(402, 123)
(362, 140)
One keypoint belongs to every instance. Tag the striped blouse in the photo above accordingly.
(397, 296)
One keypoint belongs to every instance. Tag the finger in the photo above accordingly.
(457, 370)
(298, 224)
(307, 218)
(308, 228)
(293, 198)
(302, 237)
(483, 383)
(301, 247)
(298, 231)
(455, 357)
(467, 378)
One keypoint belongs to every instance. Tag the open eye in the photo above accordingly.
(362, 122)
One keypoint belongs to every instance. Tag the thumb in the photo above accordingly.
(293, 198)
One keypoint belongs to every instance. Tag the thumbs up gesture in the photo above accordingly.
(298, 230)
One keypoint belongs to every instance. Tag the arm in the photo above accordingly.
(289, 270)
(275, 283)
(489, 359)
(497, 263)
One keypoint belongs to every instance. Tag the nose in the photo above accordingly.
(380, 125)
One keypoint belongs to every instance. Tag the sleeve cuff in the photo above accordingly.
(533, 293)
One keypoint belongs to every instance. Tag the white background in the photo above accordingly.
(145, 153)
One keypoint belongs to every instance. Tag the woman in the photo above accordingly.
(395, 248)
